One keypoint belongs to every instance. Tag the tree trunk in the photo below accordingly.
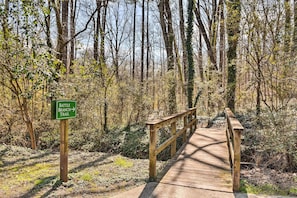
(102, 63)
(102, 35)
(222, 45)
(168, 36)
(134, 37)
(210, 51)
(5, 24)
(294, 46)
(73, 6)
(233, 25)
(96, 33)
(287, 36)
(142, 46)
(47, 20)
(60, 39)
(31, 131)
(190, 54)
(200, 58)
(116, 46)
(183, 38)
(23, 104)
(258, 89)
(105, 111)
(147, 41)
(214, 26)
(64, 48)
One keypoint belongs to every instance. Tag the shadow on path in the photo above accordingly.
(55, 179)
(201, 151)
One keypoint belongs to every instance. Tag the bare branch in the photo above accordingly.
(81, 31)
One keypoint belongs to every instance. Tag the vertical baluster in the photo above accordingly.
(185, 127)
(236, 168)
(152, 154)
(173, 144)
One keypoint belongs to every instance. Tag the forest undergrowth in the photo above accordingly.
(269, 152)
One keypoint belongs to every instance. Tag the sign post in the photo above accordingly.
(64, 125)
(63, 110)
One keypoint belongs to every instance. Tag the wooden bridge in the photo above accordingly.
(207, 166)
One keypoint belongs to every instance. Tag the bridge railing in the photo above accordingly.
(189, 122)
(233, 132)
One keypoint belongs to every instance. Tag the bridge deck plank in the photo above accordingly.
(201, 170)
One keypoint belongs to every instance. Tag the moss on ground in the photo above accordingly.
(267, 189)
(28, 173)
(122, 162)
(27, 176)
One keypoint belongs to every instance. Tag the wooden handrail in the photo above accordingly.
(190, 122)
(233, 133)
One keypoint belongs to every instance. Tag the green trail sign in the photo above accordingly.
(63, 109)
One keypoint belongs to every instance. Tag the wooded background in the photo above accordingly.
(125, 62)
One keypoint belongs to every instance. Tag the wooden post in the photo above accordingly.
(173, 144)
(185, 126)
(152, 154)
(64, 125)
(236, 167)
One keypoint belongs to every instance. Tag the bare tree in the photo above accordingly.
(117, 35)
(206, 38)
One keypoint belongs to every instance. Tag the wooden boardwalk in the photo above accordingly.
(201, 170)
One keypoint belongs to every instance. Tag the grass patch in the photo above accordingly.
(119, 161)
(267, 189)
(44, 181)
(293, 191)
(34, 172)
(86, 177)
(26, 177)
